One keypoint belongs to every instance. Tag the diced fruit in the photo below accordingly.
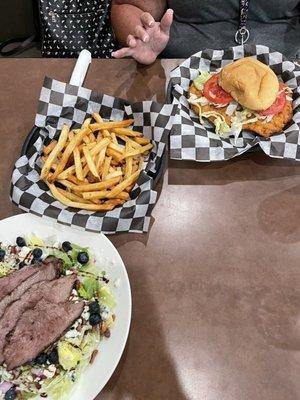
(20, 241)
(94, 308)
(21, 264)
(83, 257)
(41, 359)
(37, 253)
(53, 357)
(94, 319)
(2, 254)
(66, 246)
(11, 394)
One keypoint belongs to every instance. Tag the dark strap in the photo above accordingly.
(242, 34)
(21, 45)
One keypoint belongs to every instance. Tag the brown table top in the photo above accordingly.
(215, 283)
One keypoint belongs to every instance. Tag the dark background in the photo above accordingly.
(16, 19)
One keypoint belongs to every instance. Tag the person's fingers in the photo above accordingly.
(124, 52)
(141, 33)
(147, 20)
(166, 21)
(131, 41)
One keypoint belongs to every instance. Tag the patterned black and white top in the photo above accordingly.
(68, 26)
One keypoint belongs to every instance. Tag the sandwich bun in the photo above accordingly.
(250, 82)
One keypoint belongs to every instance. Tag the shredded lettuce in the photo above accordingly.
(59, 387)
(90, 343)
(198, 100)
(222, 128)
(201, 79)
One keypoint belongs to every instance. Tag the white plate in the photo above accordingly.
(108, 259)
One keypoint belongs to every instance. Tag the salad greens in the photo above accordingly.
(75, 349)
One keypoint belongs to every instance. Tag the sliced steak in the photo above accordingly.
(37, 329)
(55, 291)
(46, 271)
(13, 280)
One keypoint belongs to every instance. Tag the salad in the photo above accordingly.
(54, 371)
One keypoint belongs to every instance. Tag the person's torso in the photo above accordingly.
(206, 11)
(201, 24)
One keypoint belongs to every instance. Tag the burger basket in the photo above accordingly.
(190, 140)
(71, 103)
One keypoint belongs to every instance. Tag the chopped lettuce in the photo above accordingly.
(89, 344)
(88, 288)
(67, 262)
(201, 79)
(68, 355)
(34, 240)
(5, 268)
(106, 297)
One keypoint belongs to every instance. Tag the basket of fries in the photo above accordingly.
(92, 160)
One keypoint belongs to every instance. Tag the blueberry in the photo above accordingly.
(41, 359)
(83, 257)
(94, 319)
(20, 241)
(2, 254)
(53, 357)
(22, 264)
(37, 253)
(11, 394)
(66, 246)
(94, 308)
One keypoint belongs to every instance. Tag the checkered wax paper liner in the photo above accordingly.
(64, 103)
(190, 140)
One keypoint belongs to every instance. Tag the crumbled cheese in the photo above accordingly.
(24, 251)
(48, 374)
(72, 334)
(104, 312)
(52, 368)
(69, 272)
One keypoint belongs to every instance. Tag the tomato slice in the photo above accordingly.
(214, 93)
(278, 104)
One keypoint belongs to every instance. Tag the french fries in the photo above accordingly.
(96, 166)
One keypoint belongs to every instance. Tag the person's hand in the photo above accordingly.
(149, 39)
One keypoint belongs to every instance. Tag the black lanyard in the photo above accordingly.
(242, 34)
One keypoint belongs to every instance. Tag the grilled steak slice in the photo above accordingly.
(55, 291)
(46, 271)
(37, 329)
(13, 280)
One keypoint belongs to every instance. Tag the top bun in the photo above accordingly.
(250, 82)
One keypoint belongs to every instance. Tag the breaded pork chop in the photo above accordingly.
(265, 129)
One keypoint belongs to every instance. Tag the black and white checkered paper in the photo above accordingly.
(64, 103)
(190, 140)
